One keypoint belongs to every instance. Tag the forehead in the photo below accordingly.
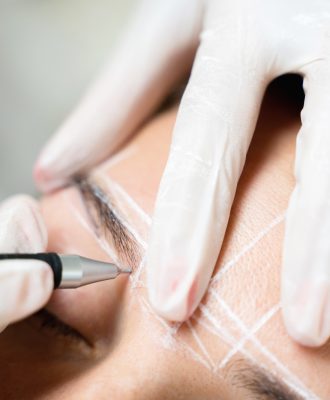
(241, 312)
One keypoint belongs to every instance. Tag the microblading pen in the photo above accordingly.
(71, 271)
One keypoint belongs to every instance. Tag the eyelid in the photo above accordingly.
(106, 219)
(48, 321)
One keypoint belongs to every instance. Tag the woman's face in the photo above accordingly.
(103, 341)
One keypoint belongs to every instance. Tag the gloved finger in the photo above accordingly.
(156, 52)
(306, 258)
(22, 228)
(214, 127)
(25, 286)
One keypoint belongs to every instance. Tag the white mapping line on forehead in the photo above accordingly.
(225, 268)
(124, 154)
(256, 327)
(116, 188)
(196, 356)
(201, 345)
(168, 340)
(208, 326)
(218, 330)
(221, 331)
(294, 382)
(135, 277)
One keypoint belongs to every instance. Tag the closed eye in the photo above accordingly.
(46, 321)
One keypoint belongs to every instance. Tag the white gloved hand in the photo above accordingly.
(25, 285)
(243, 46)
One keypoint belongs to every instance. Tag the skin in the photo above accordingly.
(133, 354)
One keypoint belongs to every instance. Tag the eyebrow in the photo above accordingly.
(107, 221)
(261, 383)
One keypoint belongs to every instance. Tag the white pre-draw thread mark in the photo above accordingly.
(115, 159)
(247, 248)
(135, 278)
(171, 331)
(256, 327)
(119, 189)
(295, 383)
(201, 345)
(223, 335)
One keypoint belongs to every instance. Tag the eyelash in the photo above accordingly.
(50, 322)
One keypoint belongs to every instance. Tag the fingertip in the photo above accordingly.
(45, 179)
(176, 302)
(40, 175)
(22, 226)
(45, 280)
(26, 287)
(37, 287)
(166, 309)
(301, 334)
(306, 312)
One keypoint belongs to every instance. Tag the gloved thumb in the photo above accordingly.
(25, 286)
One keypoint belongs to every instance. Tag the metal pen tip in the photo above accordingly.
(126, 270)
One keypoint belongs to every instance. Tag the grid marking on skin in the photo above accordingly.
(253, 360)
(171, 331)
(218, 330)
(205, 362)
(256, 327)
(299, 388)
(280, 218)
(201, 345)
(223, 334)
(229, 264)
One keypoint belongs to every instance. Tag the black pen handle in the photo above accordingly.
(52, 259)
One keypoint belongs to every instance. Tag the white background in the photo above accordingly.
(50, 50)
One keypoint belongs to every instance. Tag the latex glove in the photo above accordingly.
(243, 46)
(25, 286)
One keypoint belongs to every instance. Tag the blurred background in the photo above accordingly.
(50, 50)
